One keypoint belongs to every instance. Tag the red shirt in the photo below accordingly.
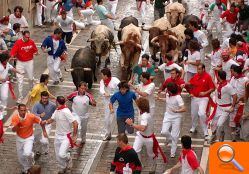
(24, 51)
(191, 157)
(201, 83)
(177, 81)
(230, 17)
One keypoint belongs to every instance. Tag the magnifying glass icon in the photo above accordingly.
(226, 154)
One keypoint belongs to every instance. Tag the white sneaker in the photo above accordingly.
(19, 100)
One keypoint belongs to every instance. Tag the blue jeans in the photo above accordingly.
(122, 126)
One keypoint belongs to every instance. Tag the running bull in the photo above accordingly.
(101, 40)
(131, 48)
(83, 66)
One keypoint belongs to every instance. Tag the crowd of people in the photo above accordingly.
(219, 97)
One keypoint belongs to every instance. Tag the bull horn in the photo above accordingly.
(154, 39)
(68, 70)
(119, 43)
(106, 40)
(87, 69)
(145, 29)
(117, 29)
(173, 37)
(90, 40)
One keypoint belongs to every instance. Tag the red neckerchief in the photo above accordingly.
(107, 81)
(220, 86)
(4, 64)
(216, 50)
(169, 63)
(55, 38)
(195, 29)
(147, 83)
(185, 152)
(61, 107)
(226, 60)
(239, 76)
(147, 66)
(128, 147)
(18, 16)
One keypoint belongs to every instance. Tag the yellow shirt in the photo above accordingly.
(35, 93)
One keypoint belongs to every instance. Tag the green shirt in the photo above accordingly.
(101, 11)
(159, 3)
(138, 70)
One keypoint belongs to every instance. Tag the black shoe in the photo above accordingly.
(107, 137)
(56, 83)
(61, 79)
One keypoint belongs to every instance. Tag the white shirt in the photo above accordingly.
(226, 95)
(173, 103)
(225, 43)
(111, 88)
(22, 21)
(146, 120)
(226, 66)
(66, 25)
(4, 27)
(201, 37)
(63, 119)
(239, 85)
(3, 45)
(166, 69)
(4, 71)
(215, 58)
(246, 68)
(55, 45)
(193, 58)
(81, 105)
(149, 89)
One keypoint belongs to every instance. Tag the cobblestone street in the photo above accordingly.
(97, 155)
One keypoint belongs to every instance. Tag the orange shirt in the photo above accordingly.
(26, 125)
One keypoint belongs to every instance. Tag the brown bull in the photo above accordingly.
(131, 48)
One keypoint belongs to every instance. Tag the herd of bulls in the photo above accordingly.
(165, 35)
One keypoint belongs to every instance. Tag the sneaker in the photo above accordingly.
(192, 130)
(61, 79)
(19, 100)
(107, 137)
(172, 156)
(207, 137)
(56, 82)
(212, 139)
(69, 163)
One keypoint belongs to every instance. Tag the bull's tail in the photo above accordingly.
(114, 46)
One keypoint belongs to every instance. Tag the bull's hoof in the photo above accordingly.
(98, 64)
(107, 62)
(95, 79)
(155, 59)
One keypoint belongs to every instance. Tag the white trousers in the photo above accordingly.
(38, 19)
(24, 152)
(54, 68)
(24, 67)
(42, 142)
(198, 110)
(108, 23)
(82, 125)
(4, 93)
(140, 141)
(173, 135)
(87, 13)
(214, 23)
(113, 6)
(49, 12)
(142, 9)
(229, 28)
(61, 146)
(218, 121)
(108, 116)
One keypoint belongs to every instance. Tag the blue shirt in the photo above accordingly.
(102, 11)
(39, 108)
(48, 43)
(125, 103)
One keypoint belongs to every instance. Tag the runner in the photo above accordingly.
(64, 120)
(22, 123)
(172, 117)
(125, 109)
(80, 104)
(226, 99)
(24, 50)
(43, 109)
(56, 49)
(108, 86)
(17, 17)
(188, 161)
